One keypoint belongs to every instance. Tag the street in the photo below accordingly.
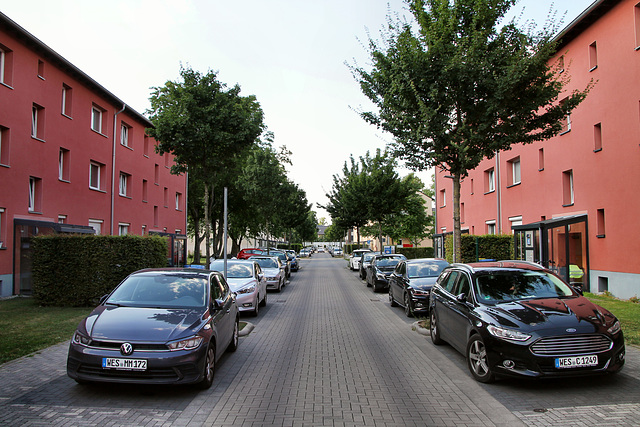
(326, 351)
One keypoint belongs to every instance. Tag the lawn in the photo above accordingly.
(626, 311)
(26, 327)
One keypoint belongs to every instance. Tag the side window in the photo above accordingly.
(450, 281)
(216, 290)
(398, 269)
(463, 285)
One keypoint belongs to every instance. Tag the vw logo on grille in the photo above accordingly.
(126, 349)
(571, 330)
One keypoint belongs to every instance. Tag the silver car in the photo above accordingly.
(273, 271)
(247, 280)
(355, 257)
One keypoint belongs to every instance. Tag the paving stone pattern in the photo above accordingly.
(326, 351)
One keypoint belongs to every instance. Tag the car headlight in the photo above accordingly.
(615, 328)
(248, 290)
(380, 276)
(78, 338)
(418, 292)
(507, 334)
(188, 344)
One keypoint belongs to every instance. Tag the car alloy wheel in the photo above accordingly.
(478, 361)
(256, 304)
(407, 306)
(391, 300)
(433, 329)
(263, 303)
(209, 368)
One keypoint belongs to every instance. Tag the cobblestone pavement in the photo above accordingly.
(326, 351)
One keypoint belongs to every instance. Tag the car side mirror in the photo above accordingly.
(578, 289)
(462, 298)
(215, 305)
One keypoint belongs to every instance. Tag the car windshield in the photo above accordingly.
(503, 286)
(234, 271)
(161, 290)
(425, 269)
(388, 261)
(367, 257)
(266, 262)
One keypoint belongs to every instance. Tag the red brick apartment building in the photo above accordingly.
(571, 201)
(73, 158)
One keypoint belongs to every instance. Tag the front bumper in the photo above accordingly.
(163, 367)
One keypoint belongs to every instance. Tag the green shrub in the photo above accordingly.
(476, 248)
(353, 246)
(76, 270)
(413, 253)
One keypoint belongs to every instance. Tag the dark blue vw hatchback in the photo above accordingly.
(159, 326)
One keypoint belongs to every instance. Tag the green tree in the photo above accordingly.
(206, 126)
(460, 88)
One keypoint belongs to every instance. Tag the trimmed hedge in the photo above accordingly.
(76, 270)
(489, 246)
(413, 253)
(353, 246)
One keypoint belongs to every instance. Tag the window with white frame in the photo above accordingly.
(515, 220)
(567, 188)
(123, 229)
(124, 184)
(6, 65)
(565, 122)
(491, 226)
(96, 224)
(66, 100)
(95, 175)
(178, 201)
(35, 196)
(37, 122)
(2, 64)
(63, 165)
(62, 219)
(489, 180)
(96, 119)
(514, 171)
(124, 135)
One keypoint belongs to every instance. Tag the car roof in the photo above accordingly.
(174, 270)
(418, 260)
(500, 265)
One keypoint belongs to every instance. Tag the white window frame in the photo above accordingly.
(492, 180)
(32, 194)
(178, 201)
(124, 184)
(123, 228)
(96, 224)
(491, 226)
(2, 64)
(124, 135)
(1, 235)
(98, 167)
(62, 219)
(516, 172)
(96, 113)
(34, 121)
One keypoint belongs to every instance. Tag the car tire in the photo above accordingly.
(279, 286)
(235, 339)
(407, 306)
(209, 368)
(434, 329)
(477, 360)
(392, 302)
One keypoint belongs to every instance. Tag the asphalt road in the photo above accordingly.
(326, 351)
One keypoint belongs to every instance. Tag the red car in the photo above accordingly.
(247, 252)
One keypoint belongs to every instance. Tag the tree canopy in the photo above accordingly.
(454, 87)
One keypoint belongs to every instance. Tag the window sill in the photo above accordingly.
(593, 68)
(37, 139)
(99, 133)
(489, 192)
(514, 185)
(124, 196)
(97, 189)
(540, 170)
(597, 150)
(126, 146)
(568, 206)
(600, 236)
(68, 117)
(4, 166)
(41, 77)
(564, 131)
(64, 180)
(6, 85)
(35, 212)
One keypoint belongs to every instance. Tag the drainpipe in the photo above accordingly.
(113, 165)
(498, 196)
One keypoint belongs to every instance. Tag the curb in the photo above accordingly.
(246, 330)
(419, 329)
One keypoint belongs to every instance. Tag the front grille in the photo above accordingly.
(112, 345)
(167, 374)
(571, 345)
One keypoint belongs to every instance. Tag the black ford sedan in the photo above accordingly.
(379, 270)
(513, 318)
(411, 283)
(159, 326)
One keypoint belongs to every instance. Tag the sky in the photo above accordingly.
(293, 55)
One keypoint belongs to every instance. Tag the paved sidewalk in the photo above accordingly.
(326, 351)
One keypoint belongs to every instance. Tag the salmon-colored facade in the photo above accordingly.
(73, 158)
(571, 201)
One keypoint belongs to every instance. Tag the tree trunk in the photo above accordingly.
(207, 227)
(457, 239)
(380, 236)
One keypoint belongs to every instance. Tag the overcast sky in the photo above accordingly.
(291, 54)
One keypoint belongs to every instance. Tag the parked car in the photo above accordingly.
(159, 326)
(293, 258)
(354, 258)
(365, 261)
(246, 279)
(304, 252)
(514, 318)
(380, 269)
(273, 271)
(410, 284)
(336, 252)
(284, 259)
(249, 252)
